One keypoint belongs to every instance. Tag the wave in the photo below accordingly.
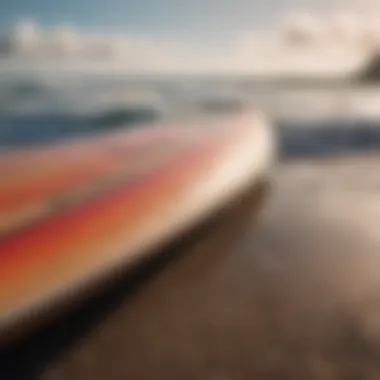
(44, 108)
(328, 138)
(16, 130)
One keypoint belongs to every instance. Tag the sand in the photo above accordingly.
(283, 284)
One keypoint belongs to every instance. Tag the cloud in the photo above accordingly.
(27, 41)
(304, 42)
(334, 42)
(65, 46)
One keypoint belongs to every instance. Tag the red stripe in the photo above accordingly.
(89, 217)
(23, 255)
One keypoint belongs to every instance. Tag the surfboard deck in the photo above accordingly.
(72, 214)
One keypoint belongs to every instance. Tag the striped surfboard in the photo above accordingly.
(73, 213)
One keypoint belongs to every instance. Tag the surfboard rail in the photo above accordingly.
(108, 203)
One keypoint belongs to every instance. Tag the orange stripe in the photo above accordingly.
(29, 256)
(17, 196)
(60, 232)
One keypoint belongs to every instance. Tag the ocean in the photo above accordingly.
(310, 118)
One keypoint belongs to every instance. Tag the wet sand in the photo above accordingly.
(282, 284)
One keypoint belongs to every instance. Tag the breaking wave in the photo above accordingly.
(43, 108)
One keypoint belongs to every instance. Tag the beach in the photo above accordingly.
(283, 283)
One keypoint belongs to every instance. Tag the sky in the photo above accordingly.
(202, 21)
(211, 32)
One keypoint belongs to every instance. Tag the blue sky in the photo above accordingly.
(204, 23)
(195, 19)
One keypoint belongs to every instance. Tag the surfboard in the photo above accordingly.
(73, 213)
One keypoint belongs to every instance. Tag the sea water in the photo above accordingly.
(310, 118)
